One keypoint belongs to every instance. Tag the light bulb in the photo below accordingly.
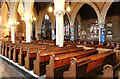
(68, 8)
(18, 23)
(22, 18)
(34, 18)
(50, 9)
(7, 25)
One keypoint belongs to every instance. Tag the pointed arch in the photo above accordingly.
(105, 10)
(79, 5)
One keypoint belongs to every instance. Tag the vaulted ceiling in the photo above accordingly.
(41, 5)
(87, 12)
(114, 9)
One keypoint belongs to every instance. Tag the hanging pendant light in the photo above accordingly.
(50, 8)
(68, 8)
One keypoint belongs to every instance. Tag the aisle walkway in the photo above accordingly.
(8, 71)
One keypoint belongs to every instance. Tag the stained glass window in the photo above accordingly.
(94, 30)
(66, 28)
(78, 30)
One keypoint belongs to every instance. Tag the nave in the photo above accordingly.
(60, 39)
(84, 58)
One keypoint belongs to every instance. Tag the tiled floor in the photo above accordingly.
(8, 71)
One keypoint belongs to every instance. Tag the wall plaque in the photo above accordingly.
(109, 24)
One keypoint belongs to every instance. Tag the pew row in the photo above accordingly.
(24, 48)
(33, 52)
(89, 66)
(32, 56)
(60, 63)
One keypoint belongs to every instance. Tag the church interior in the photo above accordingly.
(60, 39)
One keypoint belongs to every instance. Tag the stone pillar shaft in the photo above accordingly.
(59, 27)
(61, 31)
(13, 34)
(28, 31)
(59, 12)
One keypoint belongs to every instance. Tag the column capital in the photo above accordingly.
(59, 12)
(27, 20)
(101, 25)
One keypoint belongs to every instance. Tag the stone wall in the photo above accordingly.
(116, 26)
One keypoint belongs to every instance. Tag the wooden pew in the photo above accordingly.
(109, 71)
(56, 66)
(17, 50)
(6, 50)
(11, 50)
(89, 66)
(23, 55)
(94, 43)
(0, 48)
(32, 56)
(3, 49)
(117, 46)
(23, 52)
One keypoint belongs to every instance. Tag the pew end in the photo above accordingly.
(20, 57)
(27, 60)
(9, 53)
(119, 74)
(37, 65)
(0, 48)
(50, 67)
(3, 49)
(108, 71)
(72, 68)
(6, 55)
(117, 46)
(14, 55)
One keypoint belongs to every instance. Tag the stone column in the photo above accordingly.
(12, 33)
(59, 13)
(59, 27)
(28, 31)
(28, 9)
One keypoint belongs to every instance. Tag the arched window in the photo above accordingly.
(46, 28)
(94, 30)
(66, 27)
